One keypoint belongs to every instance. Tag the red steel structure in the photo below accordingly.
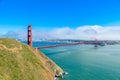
(69, 44)
(57, 45)
(30, 35)
(96, 43)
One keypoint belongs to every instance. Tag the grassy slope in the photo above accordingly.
(18, 62)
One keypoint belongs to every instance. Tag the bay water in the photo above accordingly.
(85, 62)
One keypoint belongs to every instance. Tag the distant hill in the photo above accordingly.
(19, 62)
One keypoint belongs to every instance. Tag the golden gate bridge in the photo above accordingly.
(96, 43)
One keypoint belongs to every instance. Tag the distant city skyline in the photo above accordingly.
(62, 17)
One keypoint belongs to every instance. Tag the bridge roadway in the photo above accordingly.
(69, 44)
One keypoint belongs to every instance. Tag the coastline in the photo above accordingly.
(50, 65)
(19, 61)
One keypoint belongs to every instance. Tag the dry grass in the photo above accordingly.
(14, 49)
(19, 62)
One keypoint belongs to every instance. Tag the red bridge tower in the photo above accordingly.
(30, 35)
(96, 43)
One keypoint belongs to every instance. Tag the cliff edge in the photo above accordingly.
(19, 62)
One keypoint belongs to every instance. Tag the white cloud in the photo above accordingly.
(88, 32)
(82, 32)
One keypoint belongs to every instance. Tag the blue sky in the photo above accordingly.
(50, 14)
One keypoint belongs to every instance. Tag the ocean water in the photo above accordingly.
(84, 62)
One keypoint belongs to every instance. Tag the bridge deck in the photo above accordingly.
(58, 45)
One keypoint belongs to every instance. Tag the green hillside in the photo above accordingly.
(19, 62)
